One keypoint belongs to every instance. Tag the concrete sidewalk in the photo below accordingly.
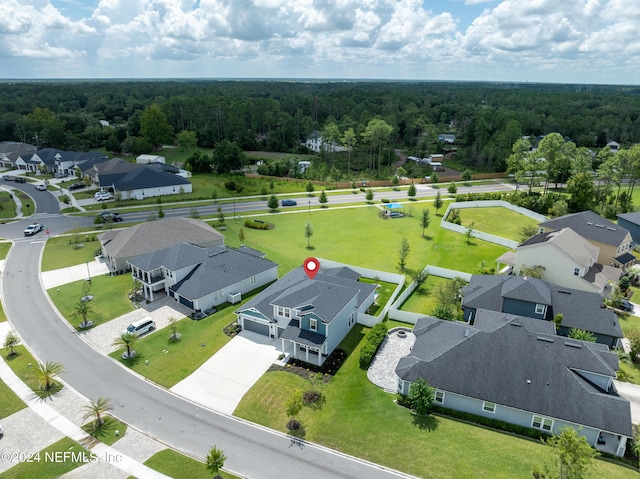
(58, 277)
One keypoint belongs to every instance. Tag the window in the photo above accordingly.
(540, 308)
(313, 324)
(489, 406)
(438, 396)
(252, 280)
(576, 271)
(287, 312)
(280, 311)
(543, 423)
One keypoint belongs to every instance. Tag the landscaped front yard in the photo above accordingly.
(65, 251)
(361, 419)
(173, 464)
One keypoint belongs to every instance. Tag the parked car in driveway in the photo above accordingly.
(140, 327)
(76, 186)
(289, 203)
(103, 196)
(33, 229)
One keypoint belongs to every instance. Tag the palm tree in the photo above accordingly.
(81, 309)
(11, 340)
(46, 374)
(215, 460)
(126, 340)
(96, 409)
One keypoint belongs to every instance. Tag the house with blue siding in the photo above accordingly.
(534, 298)
(517, 370)
(631, 222)
(310, 316)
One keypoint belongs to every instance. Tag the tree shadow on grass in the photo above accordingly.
(132, 361)
(310, 248)
(426, 423)
(44, 394)
(427, 238)
(99, 432)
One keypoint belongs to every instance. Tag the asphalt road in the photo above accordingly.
(251, 450)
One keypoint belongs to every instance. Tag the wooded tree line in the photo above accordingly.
(487, 118)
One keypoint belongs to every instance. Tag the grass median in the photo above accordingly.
(176, 465)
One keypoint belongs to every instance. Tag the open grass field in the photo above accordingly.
(169, 363)
(362, 420)
(50, 469)
(360, 237)
(110, 298)
(496, 221)
(178, 466)
(422, 300)
(9, 402)
(65, 251)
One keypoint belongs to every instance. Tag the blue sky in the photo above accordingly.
(569, 41)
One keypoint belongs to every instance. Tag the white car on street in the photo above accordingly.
(33, 229)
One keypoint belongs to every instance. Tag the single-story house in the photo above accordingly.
(144, 159)
(138, 181)
(10, 151)
(538, 299)
(201, 278)
(121, 245)
(567, 259)
(612, 240)
(310, 316)
(515, 369)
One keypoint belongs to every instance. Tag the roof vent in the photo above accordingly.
(562, 291)
(599, 226)
(573, 345)
(513, 323)
(589, 223)
(528, 381)
(545, 339)
(610, 228)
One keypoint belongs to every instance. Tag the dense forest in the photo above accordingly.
(487, 118)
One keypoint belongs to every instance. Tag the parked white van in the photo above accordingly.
(140, 327)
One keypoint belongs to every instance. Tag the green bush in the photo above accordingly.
(374, 340)
(256, 224)
(385, 200)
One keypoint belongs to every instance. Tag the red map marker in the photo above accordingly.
(311, 267)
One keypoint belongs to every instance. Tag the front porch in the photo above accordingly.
(152, 282)
(611, 443)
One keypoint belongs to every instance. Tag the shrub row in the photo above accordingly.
(492, 423)
(256, 224)
(374, 340)
(384, 200)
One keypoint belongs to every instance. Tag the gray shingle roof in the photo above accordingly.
(580, 309)
(591, 226)
(570, 242)
(515, 365)
(327, 293)
(633, 217)
(12, 150)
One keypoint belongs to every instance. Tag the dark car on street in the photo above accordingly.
(289, 202)
(76, 186)
(110, 216)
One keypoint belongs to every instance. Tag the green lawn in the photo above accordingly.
(9, 402)
(64, 251)
(362, 420)
(50, 466)
(110, 298)
(3, 317)
(384, 294)
(28, 206)
(7, 206)
(22, 364)
(360, 237)
(169, 363)
(178, 466)
(497, 221)
(5, 246)
(422, 300)
(110, 431)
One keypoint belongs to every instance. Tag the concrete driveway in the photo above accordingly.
(222, 381)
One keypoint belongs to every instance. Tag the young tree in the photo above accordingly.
(273, 202)
(310, 188)
(425, 220)
(187, 139)
(126, 340)
(421, 396)
(215, 461)
(46, 373)
(241, 235)
(434, 177)
(369, 195)
(403, 253)
(323, 199)
(469, 233)
(81, 310)
(527, 231)
(466, 175)
(308, 233)
(573, 454)
(96, 409)
(437, 203)
(452, 188)
(220, 222)
(11, 340)
(412, 191)
(293, 407)
(582, 335)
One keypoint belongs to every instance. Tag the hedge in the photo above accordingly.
(374, 340)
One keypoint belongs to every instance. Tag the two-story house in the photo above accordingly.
(310, 316)
(538, 299)
(515, 369)
(567, 259)
(612, 240)
(10, 151)
(202, 278)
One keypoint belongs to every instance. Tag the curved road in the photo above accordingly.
(253, 451)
